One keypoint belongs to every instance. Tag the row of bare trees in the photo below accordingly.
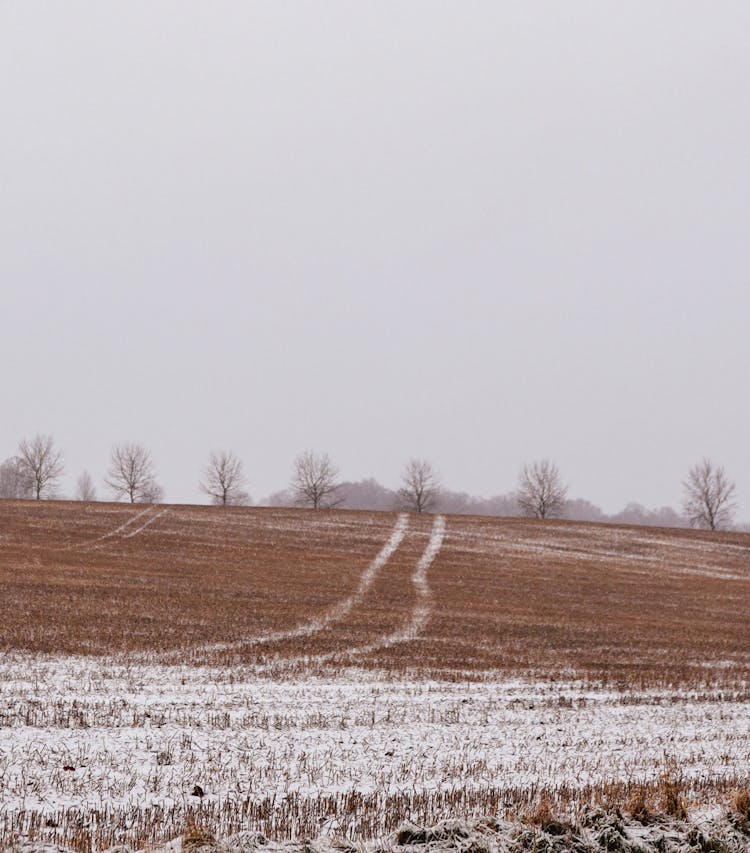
(709, 496)
(38, 466)
(35, 471)
(315, 483)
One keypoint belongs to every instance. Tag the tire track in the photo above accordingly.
(481, 543)
(148, 523)
(111, 533)
(336, 613)
(420, 615)
(414, 626)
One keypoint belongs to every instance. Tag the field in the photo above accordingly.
(341, 672)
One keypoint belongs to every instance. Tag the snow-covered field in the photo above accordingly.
(335, 675)
(86, 742)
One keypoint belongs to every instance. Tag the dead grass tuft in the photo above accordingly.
(740, 803)
(672, 800)
(196, 835)
(543, 817)
(638, 805)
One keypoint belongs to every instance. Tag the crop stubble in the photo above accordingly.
(127, 630)
(614, 604)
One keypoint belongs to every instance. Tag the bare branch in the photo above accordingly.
(41, 463)
(223, 479)
(131, 474)
(315, 480)
(708, 497)
(85, 489)
(14, 480)
(421, 488)
(541, 491)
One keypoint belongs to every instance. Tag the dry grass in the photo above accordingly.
(543, 817)
(361, 818)
(672, 801)
(637, 805)
(665, 797)
(740, 803)
(196, 834)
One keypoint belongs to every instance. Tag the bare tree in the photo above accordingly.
(151, 493)
(85, 489)
(366, 494)
(283, 497)
(315, 480)
(421, 488)
(541, 491)
(223, 479)
(14, 480)
(131, 474)
(41, 463)
(708, 497)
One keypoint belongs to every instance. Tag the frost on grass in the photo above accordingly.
(128, 753)
(596, 832)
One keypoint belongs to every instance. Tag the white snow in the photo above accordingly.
(138, 735)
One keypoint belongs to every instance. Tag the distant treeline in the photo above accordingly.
(709, 495)
(370, 495)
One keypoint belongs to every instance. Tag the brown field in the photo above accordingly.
(342, 672)
(623, 605)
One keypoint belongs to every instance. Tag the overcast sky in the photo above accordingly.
(478, 232)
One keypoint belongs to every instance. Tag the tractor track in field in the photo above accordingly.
(120, 531)
(336, 613)
(409, 630)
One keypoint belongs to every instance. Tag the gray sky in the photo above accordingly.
(480, 232)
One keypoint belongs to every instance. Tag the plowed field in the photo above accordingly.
(300, 590)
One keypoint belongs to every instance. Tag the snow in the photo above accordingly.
(138, 735)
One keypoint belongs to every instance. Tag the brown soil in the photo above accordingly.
(621, 604)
